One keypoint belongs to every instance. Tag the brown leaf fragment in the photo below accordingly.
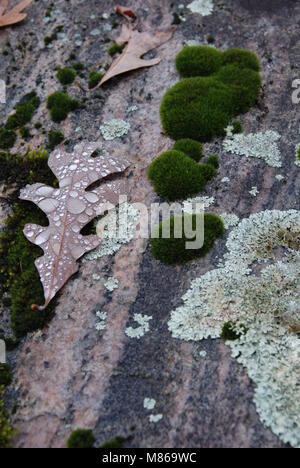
(126, 12)
(139, 43)
(14, 15)
(69, 208)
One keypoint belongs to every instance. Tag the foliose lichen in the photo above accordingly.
(115, 128)
(255, 290)
(203, 7)
(142, 329)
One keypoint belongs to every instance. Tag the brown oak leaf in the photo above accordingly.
(69, 208)
(138, 44)
(126, 12)
(14, 15)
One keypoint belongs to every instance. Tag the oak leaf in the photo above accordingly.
(138, 44)
(69, 208)
(126, 12)
(13, 16)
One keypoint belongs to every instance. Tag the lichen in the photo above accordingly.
(203, 7)
(253, 289)
(229, 220)
(144, 327)
(111, 284)
(225, 180)
(190, 203)
(155, 418)
(127, 218)
(101, 323)
(279, 177)
(262, 145)
(115, 128)
(254, 191)
(149, 403)
(297, 160)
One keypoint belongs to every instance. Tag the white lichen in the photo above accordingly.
(155, 418)
(117, 228)
(115, 128)
(229, 220)
(144, 327)
(96, 277)
(254, 191)
(255, 290)
(190, 203)
(279, 177)
(203, 7)
(149, 403)
(225, 180)
(101, 323)
(111, 284)
(203, 354)
(256, 145)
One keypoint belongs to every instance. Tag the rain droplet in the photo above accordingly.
(74, 194)
(48, 205)
(75, 206)
(45, 191)
(42, 238)
(91, 197)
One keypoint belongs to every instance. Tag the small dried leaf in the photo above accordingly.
(126, 12)
(69, 209)
(139, 43)
(13, 16)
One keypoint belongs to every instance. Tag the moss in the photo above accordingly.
(7, 432)
(116, 442)
(198, 61)
(49, 39)
(176, 19)
(25, 133)
(55, 137)
(215, 90)
(176, 176)
(66, 75)
(173, 251)
(298, 154)
(213, 161)
(7, 138)
(237, 127)
(95, 78)
(60, 104)
(116, 49)
(190, 148)
(230, 332)
(78, 66)
(210, 39)
(81, 439)
(5, 375)
(18, 274)
(242, 58)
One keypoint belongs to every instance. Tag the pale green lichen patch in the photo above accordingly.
(190, 204)
(261, 294)
(116, 229)
(229, 220)
(149, 403)
(115, 128)
(142, 329)
(279, 177)
(111, 284)
(263, 145)
(155, 418)
(101, 321)
(225, 180)
(202, 7)
(254, 191)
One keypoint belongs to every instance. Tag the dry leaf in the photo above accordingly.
(126, 12)
(139, 43)
(69, 208)
(14, 15)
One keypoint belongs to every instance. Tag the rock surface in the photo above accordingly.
(70, 375)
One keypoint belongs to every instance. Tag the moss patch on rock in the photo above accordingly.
(60, 104)
(216, 87)
(173, 250)
(176, 176)
(190, 148)
(81, 439)
(66, 75)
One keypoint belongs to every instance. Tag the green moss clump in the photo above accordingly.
(94, 78)
(173, 250)
(298, 153)
(230, 332)
(7, 138)
(176, 176)
(237, 127)
(213, 160)
(7, 432)
(81, 439)
(116, 49)
(78, 66)
(5, 375)
(116, 442)
(190, 148)
(60, 104)
(217, 86)
(242, 58)
(55, 137)
(66, 75)
(198, 61)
